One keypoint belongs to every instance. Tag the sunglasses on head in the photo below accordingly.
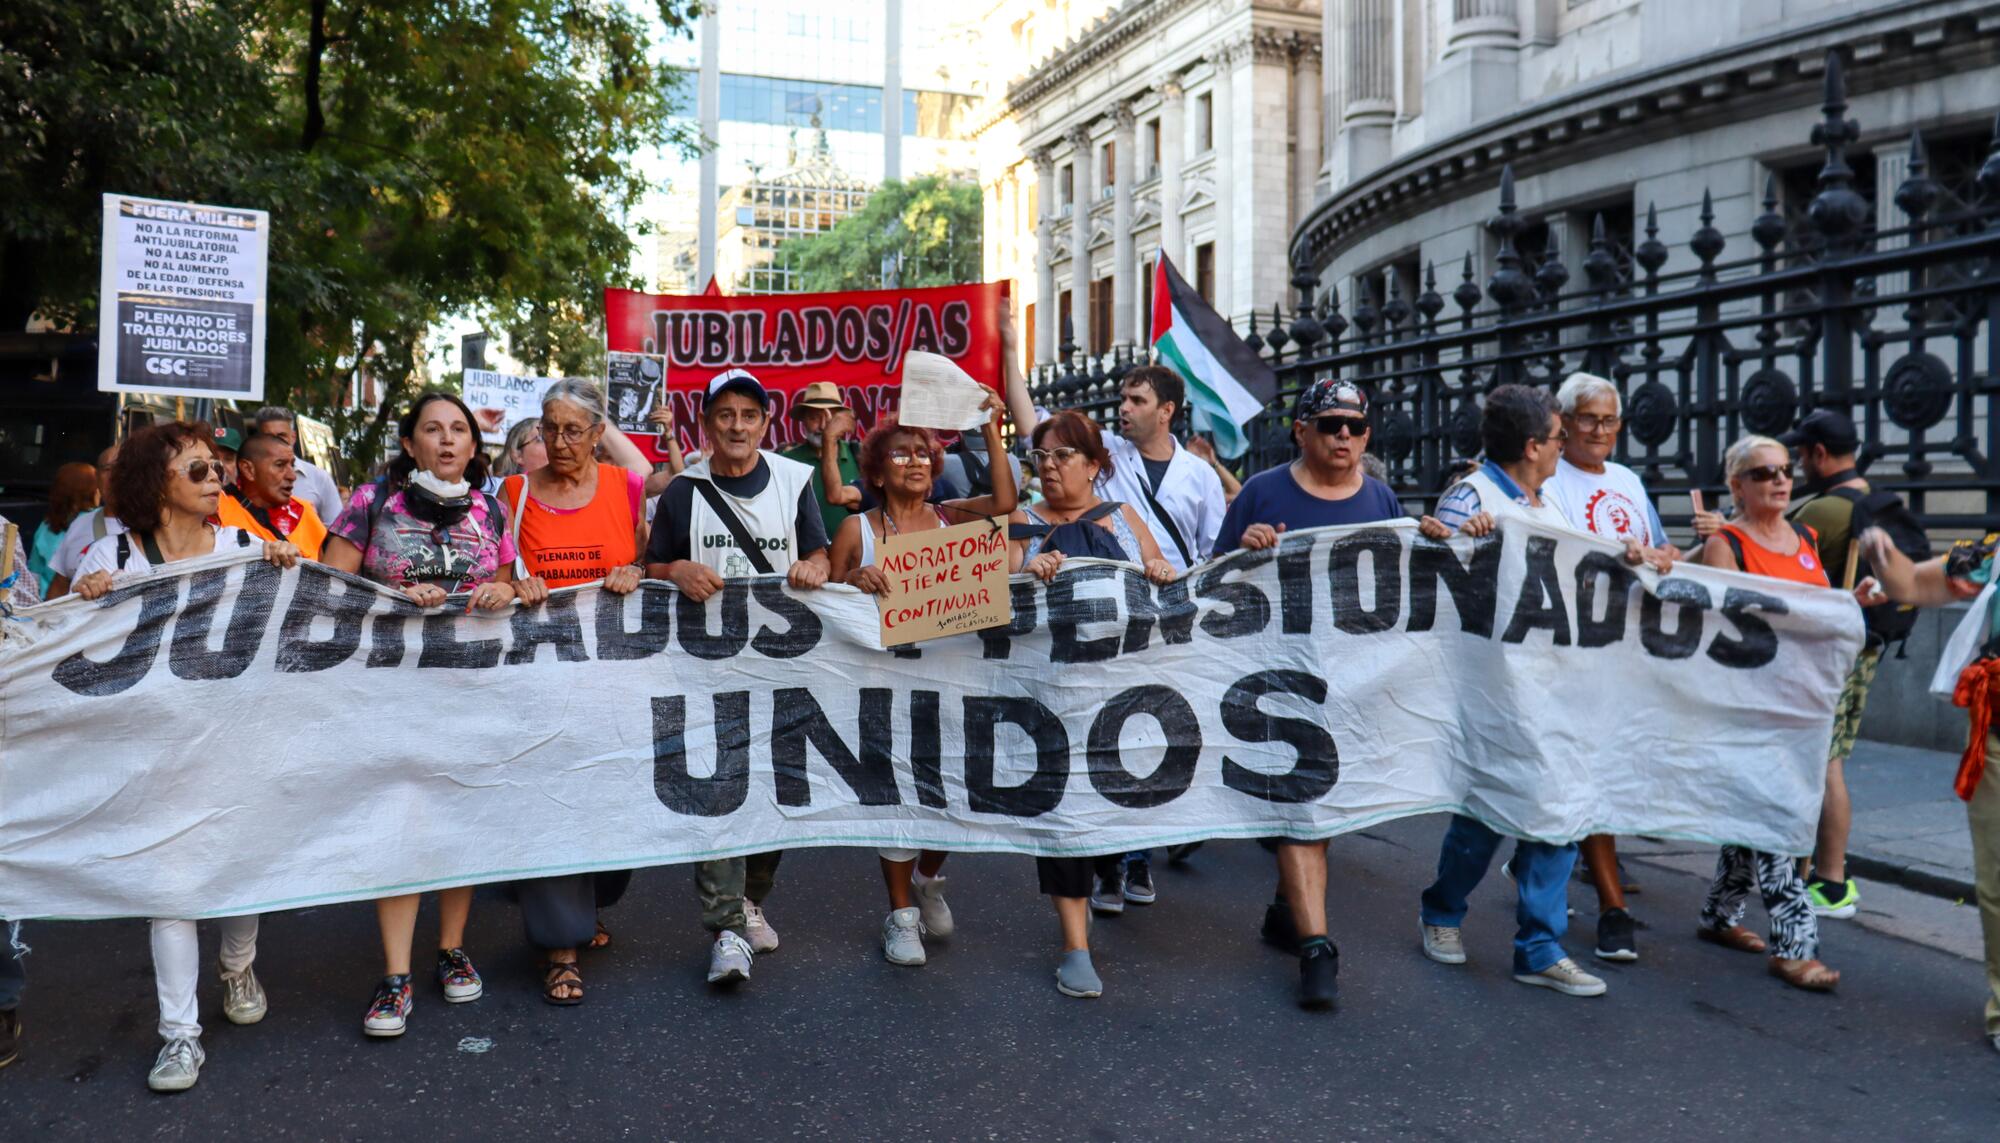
(1766, 473)
(1061, 454)
(1334, 426)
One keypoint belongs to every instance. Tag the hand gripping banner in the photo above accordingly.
(232, 738)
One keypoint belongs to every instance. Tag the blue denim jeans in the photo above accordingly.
(1541, 877)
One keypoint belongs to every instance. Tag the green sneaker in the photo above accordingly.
(1841, 904)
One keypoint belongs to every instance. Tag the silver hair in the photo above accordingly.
(269, 413)
(578, 391)
(1738, 457)
(1581, 387)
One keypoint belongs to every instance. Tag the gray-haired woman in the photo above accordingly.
(575, 521)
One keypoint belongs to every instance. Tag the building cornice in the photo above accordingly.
(1883, 47)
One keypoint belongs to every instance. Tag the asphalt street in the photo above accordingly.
(1196, 1036)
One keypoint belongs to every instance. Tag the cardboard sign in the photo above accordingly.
(503, 400)
(181, 299)
(945, 581)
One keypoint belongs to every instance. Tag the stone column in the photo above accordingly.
(1173, 141)
(1477, 79)
(1124, 159)
(1307, 133)
(708, 101)
(1368, 95)
(1045, 256)
(1079, 238)
(1488, 23)
(1221, 173)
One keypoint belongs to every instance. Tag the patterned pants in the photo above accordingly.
(1794, 929)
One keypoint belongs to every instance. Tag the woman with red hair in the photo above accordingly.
(899, 465)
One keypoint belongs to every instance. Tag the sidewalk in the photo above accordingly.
(1909, 828)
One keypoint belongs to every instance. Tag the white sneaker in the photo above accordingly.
(178, 1065)
(1442, 944)
(930, 902)
(763, 938)
(729, 961)
(902, 937)
(1566, 977)
(243, 998)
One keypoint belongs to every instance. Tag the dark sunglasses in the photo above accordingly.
(1766, 473)
(1333, 426)
(197, 471)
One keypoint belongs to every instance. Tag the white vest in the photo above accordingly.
(1495, 501)
(770, 517)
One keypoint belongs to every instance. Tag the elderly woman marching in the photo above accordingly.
(1763, 542)
(167, 485)
(1605, 498)
(900, 465)
(1072, 520)
(574, 520)
(427, 529)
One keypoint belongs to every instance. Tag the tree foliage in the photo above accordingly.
(934, 224)
(419, 159)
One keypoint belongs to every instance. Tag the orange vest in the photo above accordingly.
(1801, 566)
(568, 546)
(308, 536)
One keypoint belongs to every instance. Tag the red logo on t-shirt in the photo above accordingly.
(1612, 513)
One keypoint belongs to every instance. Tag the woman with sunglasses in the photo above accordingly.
(1762, 542)
(575, 520)
(1072, 520)
(428, 530)
(167, 484)
(900, 465)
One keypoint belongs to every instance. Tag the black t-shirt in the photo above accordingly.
(674, 518)
(1156, 470)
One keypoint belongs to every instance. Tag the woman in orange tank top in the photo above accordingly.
(1763, 542)
(575, 521)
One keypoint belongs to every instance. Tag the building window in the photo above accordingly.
(1064, 318)
(1065, 187)
(1100, 314)
(1204, 272)
(1109, 166)
(1204, 123)
(1152, 151)
(1408, 272)
(1148, 269)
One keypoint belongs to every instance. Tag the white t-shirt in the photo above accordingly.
(104, 556)
(317, 488)
(1612, 504)
(1189, 490)
(82, 532)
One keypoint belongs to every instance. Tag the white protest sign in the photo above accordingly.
(503, 400)
(937, 394)
(192, 744)
(181, 303)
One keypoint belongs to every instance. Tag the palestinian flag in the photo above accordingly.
(1227, 383)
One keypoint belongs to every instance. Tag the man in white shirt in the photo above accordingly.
(314, 486)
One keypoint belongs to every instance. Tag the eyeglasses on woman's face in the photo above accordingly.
(201, 471)
(902, 456)
(568, 434)
(1766, 473)
(1061, 454)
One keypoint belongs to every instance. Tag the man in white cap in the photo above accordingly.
(739, 511)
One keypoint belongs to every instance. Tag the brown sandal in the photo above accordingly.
(602, 938)
(1734, 937)
(561, 975)
(1810, 975)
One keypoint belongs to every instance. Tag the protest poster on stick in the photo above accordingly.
(946, 581)
(857, 339)
(181, 302)
(503, 400)
(634, 385)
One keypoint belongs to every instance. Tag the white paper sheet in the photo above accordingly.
(937, 394)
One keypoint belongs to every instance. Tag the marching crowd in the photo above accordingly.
(571, 500)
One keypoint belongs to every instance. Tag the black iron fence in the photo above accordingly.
(1895, 326)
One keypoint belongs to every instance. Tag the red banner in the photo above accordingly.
(855, 339)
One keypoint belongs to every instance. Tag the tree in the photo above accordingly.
(928, 229)
(418, 159)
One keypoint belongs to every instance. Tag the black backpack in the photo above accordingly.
(1887, 622)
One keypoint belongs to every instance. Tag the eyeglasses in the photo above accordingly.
(1766, 473)
(1061, 454)
(1558, 436)
(903, 456)
(1590, 424)
(569, 434)
(1341, 426)
(199, 471)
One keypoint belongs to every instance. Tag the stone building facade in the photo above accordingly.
(1190, 126)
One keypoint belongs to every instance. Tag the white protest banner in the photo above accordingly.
(945, 581)
(181, 301)
(503, 400)
(230, 738)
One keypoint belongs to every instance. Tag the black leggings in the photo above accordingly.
(1071, 876)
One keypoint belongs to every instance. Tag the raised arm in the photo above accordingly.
(1000, 466)
(1019, 405)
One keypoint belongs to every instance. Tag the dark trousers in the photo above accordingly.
(561, 912)
(13, 973)
(1072, 876)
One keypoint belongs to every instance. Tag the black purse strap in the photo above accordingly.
(1173, 529)
(737, 529)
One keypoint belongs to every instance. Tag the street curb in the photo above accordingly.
(1919, 880)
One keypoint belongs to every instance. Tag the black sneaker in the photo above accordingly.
(1179, 853)
(1616, 939)
(1279, 929)
(1319, 974)
(1109, 898)
(10, 1037)
(1139, 883)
